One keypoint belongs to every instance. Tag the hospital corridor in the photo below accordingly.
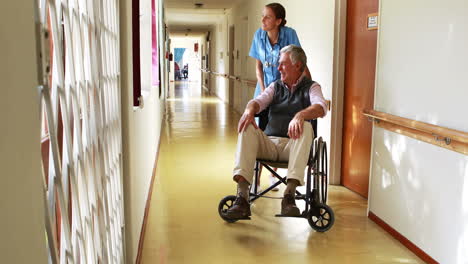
(128, 132)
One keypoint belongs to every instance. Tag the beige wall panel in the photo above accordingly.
(22, 227)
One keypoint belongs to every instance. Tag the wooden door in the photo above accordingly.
(361, 47)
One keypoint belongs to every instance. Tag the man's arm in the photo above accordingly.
(254, 106)
(312, 112)
(296, 125)
(248, 117)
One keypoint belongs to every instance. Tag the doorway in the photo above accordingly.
(361, 48)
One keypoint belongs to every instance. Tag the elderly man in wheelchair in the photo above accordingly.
(292, 102)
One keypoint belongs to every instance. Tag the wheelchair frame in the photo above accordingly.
(319, 215)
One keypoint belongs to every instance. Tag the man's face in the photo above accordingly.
(289, 72)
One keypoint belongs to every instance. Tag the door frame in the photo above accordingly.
(337, 99)
(337, 113)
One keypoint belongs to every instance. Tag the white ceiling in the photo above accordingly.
(183, 17)
(191, 18)
(207, 4)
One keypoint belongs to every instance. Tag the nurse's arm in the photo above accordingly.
(259, 73)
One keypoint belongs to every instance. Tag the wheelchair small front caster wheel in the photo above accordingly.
(226, 203)
(321, 218)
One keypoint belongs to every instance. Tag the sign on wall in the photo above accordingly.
(372, 21)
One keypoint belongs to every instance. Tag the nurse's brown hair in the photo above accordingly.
(279, 11)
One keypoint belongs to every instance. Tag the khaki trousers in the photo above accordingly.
(254, 143)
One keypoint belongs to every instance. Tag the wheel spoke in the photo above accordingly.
(228, 204)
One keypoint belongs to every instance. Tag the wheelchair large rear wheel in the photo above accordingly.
(321, 218)
(320, 170)
(226, 203)
(323, 173)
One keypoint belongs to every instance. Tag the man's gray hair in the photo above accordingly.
(296, 54)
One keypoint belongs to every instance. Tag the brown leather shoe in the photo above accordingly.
(288, 206)
(239, 210)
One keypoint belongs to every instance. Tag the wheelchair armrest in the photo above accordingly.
(314, 149)
(263, 113)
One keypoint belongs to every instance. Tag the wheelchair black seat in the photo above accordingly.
(263, 121)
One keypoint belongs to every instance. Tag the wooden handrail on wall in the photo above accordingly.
(440, 136)
(251, 83)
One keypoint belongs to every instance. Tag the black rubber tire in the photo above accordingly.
(321, 218)
(322, 172)
(224, 205)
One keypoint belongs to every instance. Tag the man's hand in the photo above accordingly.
(296, 126)
(247, 118)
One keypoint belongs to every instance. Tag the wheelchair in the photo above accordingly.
(319, 215)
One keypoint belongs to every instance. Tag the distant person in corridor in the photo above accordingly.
(268, 40)
(293, 101)
(185, 71)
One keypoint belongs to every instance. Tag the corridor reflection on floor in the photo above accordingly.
(194, 173)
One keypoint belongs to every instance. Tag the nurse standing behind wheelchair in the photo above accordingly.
(268, 40)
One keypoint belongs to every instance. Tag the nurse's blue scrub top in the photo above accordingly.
(262, 50)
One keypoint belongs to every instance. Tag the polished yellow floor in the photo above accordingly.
(194, 173)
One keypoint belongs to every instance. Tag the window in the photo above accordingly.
(80, 129)
(146, 72)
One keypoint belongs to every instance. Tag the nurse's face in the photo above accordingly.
(269, 20)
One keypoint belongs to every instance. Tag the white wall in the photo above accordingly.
(22, 227)
(242, 41)
(204, 52)
(214, 57)
(220, 60)
(419, 189)
(140, 127)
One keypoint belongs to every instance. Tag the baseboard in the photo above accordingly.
(403, 240)
(148, 202)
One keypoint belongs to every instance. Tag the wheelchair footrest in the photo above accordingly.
(244, 218)
(299, 216)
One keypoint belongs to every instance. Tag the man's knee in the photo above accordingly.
(250, 130)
